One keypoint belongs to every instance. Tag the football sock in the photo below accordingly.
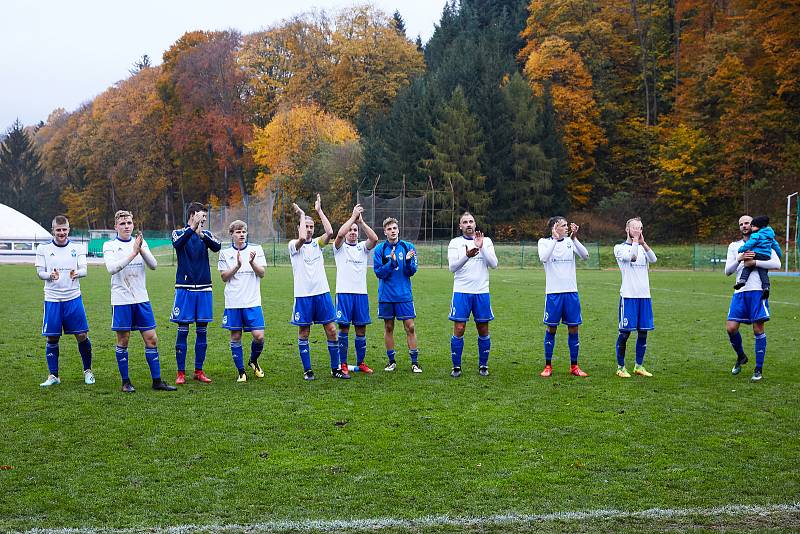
(344, 341)
(736, 343)
(305, 353)
(51, 355)
(153, 362)
(85, 348)
(200, 345)
(361, 349)
(333, 351)
(238, 355)
(622, 341)
(574, 348)
(414, 354)
(122, 361)
(484, 346)
(456, 349)
(391, 354)
(641, 346)
(180, 346)
(549, 343)
(761, 349)
(256, 347)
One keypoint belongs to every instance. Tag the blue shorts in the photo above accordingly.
(313, 310)
(127, 317)
(68, 316)
(247, 319)
(562, 308)
(464, 304)
(192, 307)
(635, 314)
(748, 307)
(352, 308)
(396, 310)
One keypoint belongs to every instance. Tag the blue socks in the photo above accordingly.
(85, 348)
(51, 355)
(200, 345)
(414, 354)
(361, 349)
(761, 350)
(238, 355)
(305, 353)
(549, 345)
(151, 355)
(456, 349)
(622, 340)
(574, 347)
(641, 346)
(344, 341)
(484, 346)
(256, 347)
(736, 343)
(391, 354)
(122, 362)
(180, 346)
(333, 351)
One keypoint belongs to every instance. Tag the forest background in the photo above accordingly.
(685, 112)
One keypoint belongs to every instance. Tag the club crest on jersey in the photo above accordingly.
(73, 253)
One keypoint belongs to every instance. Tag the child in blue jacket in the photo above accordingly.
(762, 242)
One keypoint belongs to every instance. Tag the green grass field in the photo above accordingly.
(403, 446)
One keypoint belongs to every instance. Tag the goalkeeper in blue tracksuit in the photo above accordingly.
(395, 262)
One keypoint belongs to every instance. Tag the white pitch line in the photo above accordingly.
(334, 525)
(726, 296)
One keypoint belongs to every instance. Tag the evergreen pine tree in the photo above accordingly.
(21, 175)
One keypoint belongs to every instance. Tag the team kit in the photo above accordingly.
(471, 255)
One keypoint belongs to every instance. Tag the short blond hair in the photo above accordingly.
(235, 225)
(389, 220)
(59, 220)
(120, 214)
(632, 219)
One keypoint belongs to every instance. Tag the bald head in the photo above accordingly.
(744, 225)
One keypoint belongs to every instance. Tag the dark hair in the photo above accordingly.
(193, 208)
(552, 221)
(760, 222)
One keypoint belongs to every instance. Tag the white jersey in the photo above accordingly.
(558, 258)
(470, 275)
(127, 279)
(70, 257)
(308, 267)
(243, 290)
(633, 263)
(351, 267)
(733, 266)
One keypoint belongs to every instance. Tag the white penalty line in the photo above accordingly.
(334, 525)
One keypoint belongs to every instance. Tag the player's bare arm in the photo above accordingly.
(326, 224)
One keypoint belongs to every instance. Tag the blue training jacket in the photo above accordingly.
(191, 249)
(762, 242)
(394, 277)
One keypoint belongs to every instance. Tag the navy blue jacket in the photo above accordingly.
(194, 272)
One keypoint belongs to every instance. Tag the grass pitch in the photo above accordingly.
(400, 445)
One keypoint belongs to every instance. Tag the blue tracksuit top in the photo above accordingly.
(191, 249)
(762, 242)
(394, 277)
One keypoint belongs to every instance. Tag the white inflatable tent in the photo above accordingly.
(19, 234)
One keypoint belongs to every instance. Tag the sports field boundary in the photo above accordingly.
(509, 520)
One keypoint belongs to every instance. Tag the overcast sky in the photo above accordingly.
(60, 53)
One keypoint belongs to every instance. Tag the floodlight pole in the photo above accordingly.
(788, 215)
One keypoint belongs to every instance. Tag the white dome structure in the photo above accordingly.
(19, 234)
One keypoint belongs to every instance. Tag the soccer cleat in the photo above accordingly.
(483, 370)
(200, 376)
(547, 371)
(391, 366)
(737, 367)
(242, 377)
(88, 377)
(308, 375)
(415, 368)
(52, 380)
(181, 378)
(345, 370)
(756, 376)
(641, 371)
(364, 369)
(127, 387)
(456, 372)
(577, 371)
(622, 372)
(160, 385)
(337, 373)
(252, 364)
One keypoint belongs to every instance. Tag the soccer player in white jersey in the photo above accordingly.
(634, 256)
(352, 301)
(60, 263)
(470, 257)
(126, 257)
(747, 304)
(312, 295)
(242, 266)
(562, 305)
